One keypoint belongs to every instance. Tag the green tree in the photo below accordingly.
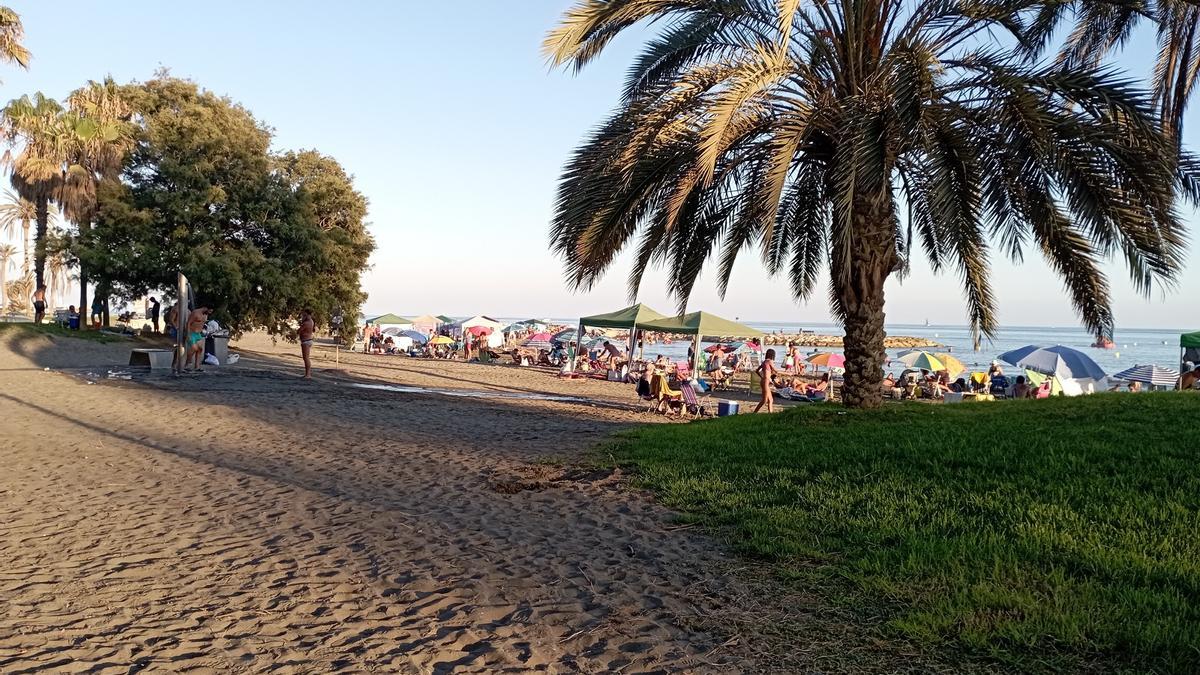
(200, 193)
(841, 135)
(328, 195)
(12, 33)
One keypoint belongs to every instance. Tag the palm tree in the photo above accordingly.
(14, 212)
(8, 253)
(104, 137)
(39, 123)
(1103, 26)
(56, 270)
(839, 135)
(11, 35)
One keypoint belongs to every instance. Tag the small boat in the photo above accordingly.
(1104, 343)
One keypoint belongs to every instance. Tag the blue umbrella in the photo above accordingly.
(1014, 357)
(568, 335)
(1152, 375)
(1062, 362)
(416, 337)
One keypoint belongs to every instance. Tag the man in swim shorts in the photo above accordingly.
(305, 333)
(194, 348)
(39, 304)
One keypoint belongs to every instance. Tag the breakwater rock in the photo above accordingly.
(834, 341)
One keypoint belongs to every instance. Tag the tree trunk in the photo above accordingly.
(85, 312)
(872, 257)
(25, 248)
(42, 206)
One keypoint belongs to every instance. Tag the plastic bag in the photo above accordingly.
(211, 360)
(232, 359)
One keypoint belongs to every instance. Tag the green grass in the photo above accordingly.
(1054, 534)
(55, 330)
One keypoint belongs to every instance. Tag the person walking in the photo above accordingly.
(307, 328)
(766, 373)
(39, 304)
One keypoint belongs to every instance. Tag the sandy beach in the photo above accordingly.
(247, 521)
(243, 520)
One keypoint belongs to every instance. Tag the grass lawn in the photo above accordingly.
(55, 330)
(1052, 534)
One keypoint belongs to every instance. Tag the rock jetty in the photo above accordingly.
(834, 341)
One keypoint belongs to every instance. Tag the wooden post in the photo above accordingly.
(181, 322)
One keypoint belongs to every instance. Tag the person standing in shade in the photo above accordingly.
(97, 310)
(155, 308)
(766, 373)
(39, 304)
(307, 328)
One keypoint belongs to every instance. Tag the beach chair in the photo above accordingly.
(1045, 388)
(691, 403)
(662, 393)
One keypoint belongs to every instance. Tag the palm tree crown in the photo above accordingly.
(16, 215)
(11, 35)
(841, 136)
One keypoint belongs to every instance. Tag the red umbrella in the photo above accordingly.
(714, 348)
(479, 330)
(538, 337)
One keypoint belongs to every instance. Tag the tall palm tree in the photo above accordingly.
(11, 35)
(841, 135)
(56, 271)
(45, 158)
(101, 118)
(8, 254)
(1100, 27)
(18, 212)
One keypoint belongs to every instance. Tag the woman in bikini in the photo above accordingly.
(305, 333)
(766, 373)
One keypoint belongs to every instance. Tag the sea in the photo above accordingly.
(1134, 346)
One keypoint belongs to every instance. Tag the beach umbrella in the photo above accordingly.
(1036, 379)
(1014, 357)
(828, 359)
(727, 348)
(1064, 363)
(919, 358)
(568, 335)
(415, 336)
(595, 343)
(951, 364)
(1152, 375)
(479, 331)
(442, 340)
(537, 344)
(538, 337)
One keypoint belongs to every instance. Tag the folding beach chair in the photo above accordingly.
(662, 393)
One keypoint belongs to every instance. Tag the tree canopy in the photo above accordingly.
(259, 236)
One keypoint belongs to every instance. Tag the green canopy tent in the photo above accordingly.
(388, 319)
(626, 319)
(700, 325)
(1189, 350)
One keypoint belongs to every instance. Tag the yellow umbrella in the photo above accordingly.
(441, 340)
(950, 364)
(923, 360)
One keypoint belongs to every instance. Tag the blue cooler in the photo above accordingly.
(727, 408)
(73, 323)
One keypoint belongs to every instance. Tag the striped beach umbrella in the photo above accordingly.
(919, 358)
(1152, 375)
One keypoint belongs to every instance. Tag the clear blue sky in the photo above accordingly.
(456, 130)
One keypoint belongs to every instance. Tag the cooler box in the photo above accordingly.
(73, 323)
(727, 408)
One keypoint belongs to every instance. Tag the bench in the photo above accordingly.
(154, 359)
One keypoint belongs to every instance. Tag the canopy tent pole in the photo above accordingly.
(182, 313)
(696, 356)
(573, 350)
(630, 344)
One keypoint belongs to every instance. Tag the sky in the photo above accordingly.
(456, 130)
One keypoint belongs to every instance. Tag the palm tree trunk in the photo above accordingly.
(872, 257)
(25, 248)
(39, 246)
(85, 312)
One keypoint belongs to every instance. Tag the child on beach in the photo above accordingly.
(766, 373)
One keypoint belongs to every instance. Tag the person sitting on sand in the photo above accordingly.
(766, 373)
(960, 386)
(1021, 389)
(1190, 379)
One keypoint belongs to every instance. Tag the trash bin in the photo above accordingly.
(218, 346)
